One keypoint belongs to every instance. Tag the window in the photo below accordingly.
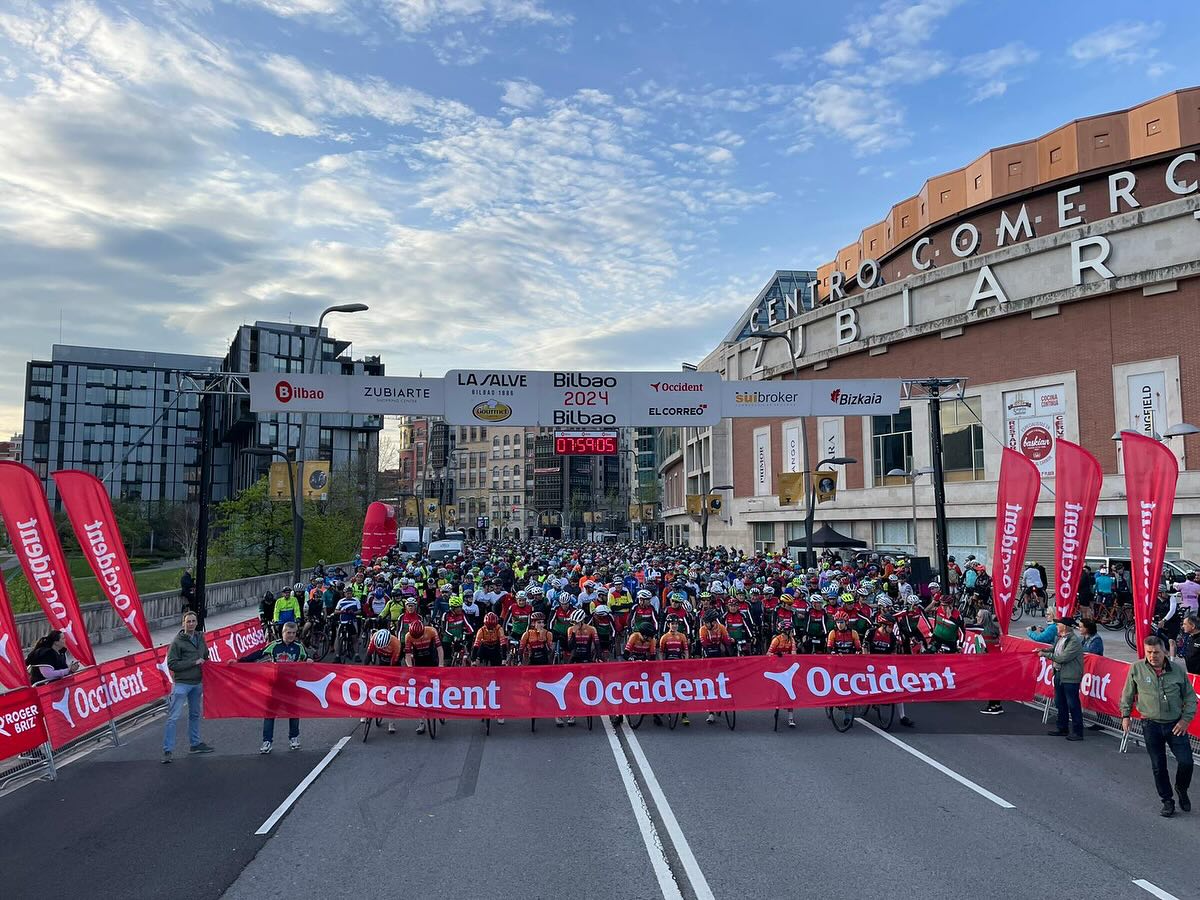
(41, 373)
(965, 537)
(483, 433)
(893, 534)
(516, 471)
(978, 182)
(764, 536)
(962, 440)
(507, 441)
(474, 433)
(1116, 536)
(904, 221)
(891, 445)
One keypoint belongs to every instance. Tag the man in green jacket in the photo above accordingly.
(185, 657)
(1167, 704)
(1066, 655)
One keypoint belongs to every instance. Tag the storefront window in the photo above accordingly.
(891, 446)
(893, 535)
(962, 440)
(764, 537)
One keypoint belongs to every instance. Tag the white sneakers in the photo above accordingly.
(711, 719)
(294, 744)
(421, 728)
(265, 748)
(391, 728)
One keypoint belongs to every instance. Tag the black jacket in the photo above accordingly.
(47, 657)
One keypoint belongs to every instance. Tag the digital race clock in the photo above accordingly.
(585, 443)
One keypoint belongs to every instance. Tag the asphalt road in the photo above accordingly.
(748, 813)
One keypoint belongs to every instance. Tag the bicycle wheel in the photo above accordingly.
(776, 728)
(672, 720)
(431, 728)
(533, 724)
(367, 729)
(635, 722)
(1109, 618)
(843, 718)
(1017, 612)
(1130, 636)
(589, 718)
(886, 714)
(731, 718)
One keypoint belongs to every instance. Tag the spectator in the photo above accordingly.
(1087, 589)
(1067, 658)
(1047, 634)
(1189, 593)
(1092, 642)
(286, 649)
(187, 589)
(47, 660)
(988, 641)
(1166, 701)
(185, 656)
(1189, 645)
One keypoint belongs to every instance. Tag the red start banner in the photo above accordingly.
(317, 690)
(20, 722)
(89, 699)
(233, 642)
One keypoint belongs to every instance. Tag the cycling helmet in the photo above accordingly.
(491, 620)
(781, 625)
(601, 591)
(601, 610)
(522, 595)
(456, 602)
(382, 639)
(644, 595)
(298, 587)
(914, 601)
(840, 618)
(579, 617)
(846, 599)
(705, 595)
(269, 595)
(534, 591)
(711, 616)
(411, 601)
(538, 617)
(646, 629)
(769, 591)
(755, 592)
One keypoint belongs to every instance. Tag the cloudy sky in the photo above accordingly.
(505, 182)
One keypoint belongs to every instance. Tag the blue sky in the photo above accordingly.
(516, 183)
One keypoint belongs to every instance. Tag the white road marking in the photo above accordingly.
(690, 866)
(654, 846)
(1152, 889)
(961, 779)
(283, 807)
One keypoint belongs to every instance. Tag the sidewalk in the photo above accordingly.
(163, 636)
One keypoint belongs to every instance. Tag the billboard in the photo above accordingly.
(316, 480)
(1034, 422)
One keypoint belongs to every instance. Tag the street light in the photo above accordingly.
(811, 501)
(808, 501)
(912, 480)
(297, 519)
(299, 480)
(704, 514)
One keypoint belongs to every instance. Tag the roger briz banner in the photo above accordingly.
(30, 527)
(91, 515)
(318, 690)
(1077, 491)
(1151, 473)
(1016, 498)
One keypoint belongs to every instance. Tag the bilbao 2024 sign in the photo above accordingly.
(569, 399)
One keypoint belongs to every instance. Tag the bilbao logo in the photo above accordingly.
(286, 392)
(492, 411)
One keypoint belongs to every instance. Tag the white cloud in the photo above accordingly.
(521, 94)
(843, 53)
(297, 8)
(990, 73)
(989, 89)
(860, 116)
(1121, 42)
(423, 15)
(1158, 69)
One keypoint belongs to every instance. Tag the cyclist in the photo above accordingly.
(674, 645)
(644, 613)
(286, 649)
(737, 623)
(314, 615)
(948, 631)
(1105, 587)
(423, 647)
(642, 646)
(714, 641)
(536, 643)
(393, 612)
(816, 626)
(385, 649)
(783, 644)
(908, 626)
(583, 640)
(620, 602)
(266, 612)
(606, 628)
(347, 610)
(520, 614)
(456, 629)
(560, 623)
(843, 639)
(489, 642)
(785, 614)
(1034, 585)
(411, 617)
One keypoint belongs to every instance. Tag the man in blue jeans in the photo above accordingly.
(1167, 704)
(185, 656)
(1066, 657)
(286, 649)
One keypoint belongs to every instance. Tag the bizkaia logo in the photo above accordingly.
(285, 392)
(842, 398)
(112, 689)
(594, 690)
(358, 692)
(19, 720)
(675, 387)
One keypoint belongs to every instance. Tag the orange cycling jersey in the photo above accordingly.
(391, 652)
(422, 643)
(673, 646)
(781, 645)
(489, 637)
(536, 642)
(641, 647)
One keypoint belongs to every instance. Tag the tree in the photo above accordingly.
(333, 527)
(254, 532)
(132, 523)
(181, 523)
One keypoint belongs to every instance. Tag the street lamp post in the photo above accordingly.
(811, 501)
(808, 500)
(704, 513)
(298, 488)
(297, 518)
(912, 480)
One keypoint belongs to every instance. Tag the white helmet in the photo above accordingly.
(298, 587)
(600, 610)
(382, 639)
(644, 595)
(578, 617)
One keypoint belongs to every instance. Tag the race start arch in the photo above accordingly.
(568, 399)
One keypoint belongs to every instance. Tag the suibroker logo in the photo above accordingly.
(841, 398)
(285, 392)
(747, 398)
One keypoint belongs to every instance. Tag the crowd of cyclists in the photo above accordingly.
(542, 601)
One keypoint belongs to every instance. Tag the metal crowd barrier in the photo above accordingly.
(1107, 724)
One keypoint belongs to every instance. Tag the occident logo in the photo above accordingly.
(285, 392)
(19, 721)
(822, 682)
(491, 411)
(841, 398)
(112, 689)
(1036, 442)
(358, 692)
(593, 690)
(675, 387)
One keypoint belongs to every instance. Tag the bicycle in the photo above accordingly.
(345, 642)
(1108, 613)
(885, 714)
(842, 717)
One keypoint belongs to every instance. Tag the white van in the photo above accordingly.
(439, 550)
(410, 542)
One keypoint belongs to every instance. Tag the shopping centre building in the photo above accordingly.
(1059, 277)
